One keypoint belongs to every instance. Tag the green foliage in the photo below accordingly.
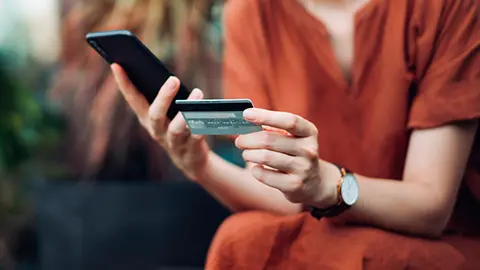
(27, 124)
(30, 132)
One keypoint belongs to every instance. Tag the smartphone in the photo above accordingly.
(217, 116)
(142, 67)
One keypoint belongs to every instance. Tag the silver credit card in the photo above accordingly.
(217, 117)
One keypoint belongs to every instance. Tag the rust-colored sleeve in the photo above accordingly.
(447, 61)
(245, 53)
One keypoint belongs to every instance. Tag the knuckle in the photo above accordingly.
(310, 150)
(296, 184)
(176, 132)
(268, 140)
(196, 138)
(266, 156)
(156, 118)
(292, 122)
(292, 163)
(305, 167)
(313, 154)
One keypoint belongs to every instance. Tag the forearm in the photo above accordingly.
(402, 206)
(238, 190)
(423, 201)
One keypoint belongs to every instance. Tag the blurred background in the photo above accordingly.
(82, 186)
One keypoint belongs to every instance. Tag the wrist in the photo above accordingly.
(208, 167)
(328, 192)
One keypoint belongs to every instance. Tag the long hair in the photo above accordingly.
(104, 137)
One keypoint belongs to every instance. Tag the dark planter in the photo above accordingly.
(118, 225)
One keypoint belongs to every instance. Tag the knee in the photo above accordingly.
(240, 226)
(409, 252)
(237, 235)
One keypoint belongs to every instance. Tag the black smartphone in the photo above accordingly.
(142, 67)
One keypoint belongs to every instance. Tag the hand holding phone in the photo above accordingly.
(188, 152)
(140, 75)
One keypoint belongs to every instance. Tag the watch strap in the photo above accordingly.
(331, 211)
(342, 170)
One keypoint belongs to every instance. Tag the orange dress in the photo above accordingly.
(416, 65)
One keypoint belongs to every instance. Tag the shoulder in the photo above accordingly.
(442, 29)
(444, 5)
(444, 12)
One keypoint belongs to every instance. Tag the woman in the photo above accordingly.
(395, 99)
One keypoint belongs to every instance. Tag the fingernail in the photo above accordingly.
(249, 114)
(170, 83)
(236, 141)
(112, 68)
(197, 93)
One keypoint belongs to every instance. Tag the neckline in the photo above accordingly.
(306, 18)
(361, 12)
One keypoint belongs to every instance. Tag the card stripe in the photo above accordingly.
(212, 107)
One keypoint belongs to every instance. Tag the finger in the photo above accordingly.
(157, 114)
(274, 141)
(286, 183)
(292, 123)
(135, 99)
(277, 130)
(279, 161)
(178, 130)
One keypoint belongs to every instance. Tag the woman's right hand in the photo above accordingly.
(188, 152)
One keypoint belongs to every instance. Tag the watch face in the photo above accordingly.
(349, 189)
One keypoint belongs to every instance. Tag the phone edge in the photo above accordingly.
(213, 101)
(92, 35)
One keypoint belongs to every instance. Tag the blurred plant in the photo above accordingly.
(104, 138)
(29, 129)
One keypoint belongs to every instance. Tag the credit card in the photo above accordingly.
(217, 116)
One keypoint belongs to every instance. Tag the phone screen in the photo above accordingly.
(142, 67)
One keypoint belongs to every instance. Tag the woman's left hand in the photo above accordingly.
(288, 161)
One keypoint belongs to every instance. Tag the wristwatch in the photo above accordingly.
(347, 193)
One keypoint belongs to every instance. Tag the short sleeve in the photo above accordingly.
(447, 41)
(245, 53)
